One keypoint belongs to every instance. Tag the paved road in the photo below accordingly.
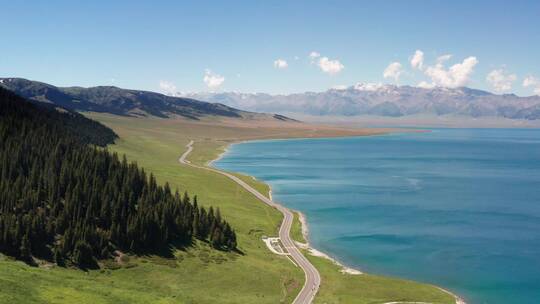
(313, 279)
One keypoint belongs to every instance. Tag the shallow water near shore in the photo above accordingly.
(459, 208)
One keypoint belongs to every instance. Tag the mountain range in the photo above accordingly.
(384, 100)
(360, 99)
(119, 101)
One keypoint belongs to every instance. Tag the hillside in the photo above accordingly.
(109, 99)
(157, 144)
(65, 202)
(198, 273)
(386, 101)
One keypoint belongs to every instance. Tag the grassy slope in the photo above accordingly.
(201, 275)
(296, 230)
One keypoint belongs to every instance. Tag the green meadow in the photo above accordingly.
(200, 274)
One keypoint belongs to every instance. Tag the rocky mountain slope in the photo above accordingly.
(385, 100)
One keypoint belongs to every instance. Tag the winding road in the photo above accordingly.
(312, 277)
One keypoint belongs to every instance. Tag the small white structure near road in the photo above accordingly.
(274, 244)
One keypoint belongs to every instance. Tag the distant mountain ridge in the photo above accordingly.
(116, 100)
(384, 100)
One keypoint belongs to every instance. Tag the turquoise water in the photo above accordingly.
(459, 208)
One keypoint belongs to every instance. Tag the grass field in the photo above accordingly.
(200, 274)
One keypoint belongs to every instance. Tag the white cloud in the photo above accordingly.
(393, 70)
(314, 55)
(417, 60)
(167, 87)
(326, 65)
(500, 80)
(280, 64)
(530, 81)
(330, 66)
(425, 85)
(455, 76)
(443, 58)
(213, 80)
(534, 82)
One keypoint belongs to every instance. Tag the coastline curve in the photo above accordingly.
(312, 277)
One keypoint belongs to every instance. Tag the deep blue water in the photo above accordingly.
(459, 208)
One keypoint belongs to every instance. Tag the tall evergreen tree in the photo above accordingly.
(62, 198)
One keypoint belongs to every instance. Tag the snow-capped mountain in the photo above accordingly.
(384, 100)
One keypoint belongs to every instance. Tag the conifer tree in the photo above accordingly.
(63, 199)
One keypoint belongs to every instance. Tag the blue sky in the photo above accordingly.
(173, 45)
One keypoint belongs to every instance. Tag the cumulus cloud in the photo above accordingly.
(330, 66)
(500, 80)
(327, 65)
(280, 64)
(167, 87)
(533, 82)
(393, 70)
(455, 76)
(213, 80)
(417, 60)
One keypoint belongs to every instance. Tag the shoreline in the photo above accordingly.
(382, 132)
(220, 156)
(315, 252)
(302, 218)
(307, 246)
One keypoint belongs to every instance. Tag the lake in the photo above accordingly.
(459, 208)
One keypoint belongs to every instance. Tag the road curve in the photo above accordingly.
(312, 277)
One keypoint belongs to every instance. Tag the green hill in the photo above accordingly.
(199, 273)
(65, 202)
